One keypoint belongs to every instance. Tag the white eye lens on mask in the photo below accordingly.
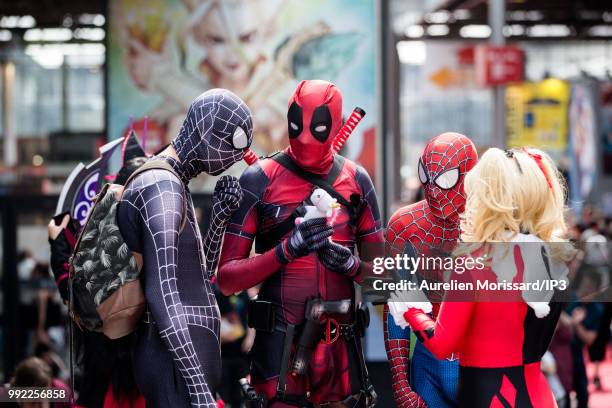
(293, 126)
(239, 139)
(448, 179)
(321, 128)
(422, 173)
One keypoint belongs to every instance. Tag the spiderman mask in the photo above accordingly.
(442, 168)
(215, 134)
(314, 118)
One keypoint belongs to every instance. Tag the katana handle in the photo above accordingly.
(346, 130)
(341, 137)
(250, 157)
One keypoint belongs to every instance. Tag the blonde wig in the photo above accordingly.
(514, 191)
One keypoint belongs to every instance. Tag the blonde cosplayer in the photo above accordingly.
(513, 191)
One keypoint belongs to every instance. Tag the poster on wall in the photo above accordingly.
(582, 151)
(537, 114)
(606, 126)
(164, 53)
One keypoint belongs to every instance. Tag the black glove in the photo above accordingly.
(227, 194)
(305, 238)
(338, 258)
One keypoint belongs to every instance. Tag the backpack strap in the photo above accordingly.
(161, 165)
(324, 182)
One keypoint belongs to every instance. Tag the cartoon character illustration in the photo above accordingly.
(231, 44)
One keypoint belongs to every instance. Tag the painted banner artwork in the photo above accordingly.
(162, 54)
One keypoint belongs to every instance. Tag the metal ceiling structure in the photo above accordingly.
(52, 13)
(52, 21)
(525, 20)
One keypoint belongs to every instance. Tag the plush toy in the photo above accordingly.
(323, 205)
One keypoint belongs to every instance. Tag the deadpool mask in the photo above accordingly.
(313, 119)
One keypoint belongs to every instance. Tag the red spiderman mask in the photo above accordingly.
(442, 168)
(314, 118)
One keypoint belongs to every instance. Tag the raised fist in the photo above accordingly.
(228, 193)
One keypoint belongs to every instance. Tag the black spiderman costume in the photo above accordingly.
(176, 353)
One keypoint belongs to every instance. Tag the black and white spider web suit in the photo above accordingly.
(177, 358)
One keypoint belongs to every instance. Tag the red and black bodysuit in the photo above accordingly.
(296, 266)
(500, 342)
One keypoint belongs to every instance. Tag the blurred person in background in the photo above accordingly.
(49, 318)
(561, 350)
(39, 308)
(597, 350)
(32, 372)
(596, 248)
(585, 317)
(35, 372)
(27, 301)
(59, 372)
(551, 370)
(236, 342)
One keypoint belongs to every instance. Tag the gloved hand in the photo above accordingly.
(401, 301)
(227, 194)
(305, 238)
(60, 255)
(338, 258)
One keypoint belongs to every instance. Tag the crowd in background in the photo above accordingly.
(583, 331)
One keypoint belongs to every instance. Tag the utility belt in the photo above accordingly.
(318, 327)
(262, 317)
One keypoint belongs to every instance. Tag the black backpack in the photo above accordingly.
(105, 290)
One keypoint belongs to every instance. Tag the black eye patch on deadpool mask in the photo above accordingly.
(321, 122)
(294, 120)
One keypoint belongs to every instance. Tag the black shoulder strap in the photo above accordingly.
(270, 238)
(326, 183)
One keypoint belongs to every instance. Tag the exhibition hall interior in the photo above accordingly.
(214, 89)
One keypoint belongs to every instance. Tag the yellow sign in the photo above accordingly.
(537, 114)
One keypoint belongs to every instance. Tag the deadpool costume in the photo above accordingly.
(307, 348)
(429, 227)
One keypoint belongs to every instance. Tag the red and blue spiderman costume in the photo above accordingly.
(428, 227)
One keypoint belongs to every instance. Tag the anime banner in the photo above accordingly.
(583, 146)
(606, 125)
(537, 115)
(163, 54)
